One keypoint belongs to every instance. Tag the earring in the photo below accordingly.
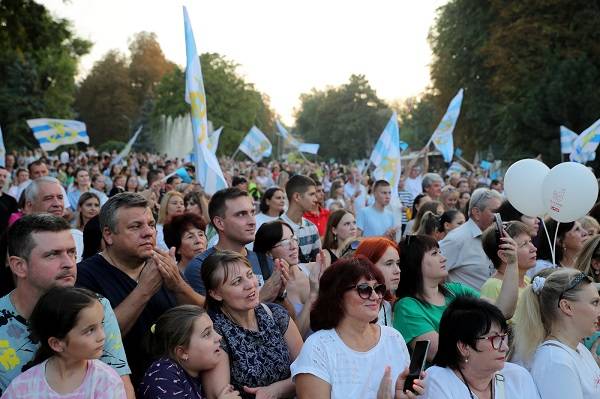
(466, 360)
(334, 238)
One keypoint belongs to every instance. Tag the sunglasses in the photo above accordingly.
(496, 340)
(576, 281)
(365, 291)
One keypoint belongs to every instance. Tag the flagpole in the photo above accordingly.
(235, 153)
(302, 155)
(366, 169)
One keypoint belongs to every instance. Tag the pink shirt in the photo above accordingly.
(100, 382)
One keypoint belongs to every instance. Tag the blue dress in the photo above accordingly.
(256, 358)
(165, 378)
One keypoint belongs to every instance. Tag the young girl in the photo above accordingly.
(186, 344)
(68, 324)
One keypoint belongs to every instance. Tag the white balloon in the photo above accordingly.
(569, 191)
(523, 186)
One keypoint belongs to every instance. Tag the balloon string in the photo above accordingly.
(549, 241)
(554, 246)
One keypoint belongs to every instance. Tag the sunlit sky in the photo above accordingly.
(284, 47)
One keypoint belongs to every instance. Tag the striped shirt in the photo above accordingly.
(308, 238)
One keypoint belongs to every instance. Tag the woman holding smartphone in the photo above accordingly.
(350, 355)
(471, 358)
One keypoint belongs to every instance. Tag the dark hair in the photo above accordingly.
(237, 180)
(329, 241)
(416, 201)
(152, 176)
(298, 184)
(55, 314)
(172, 329)
(92, 237)
(544, 250)
(268, 235)
(170, 179)
(193, 197)
(465, 320)
(218, 260)
(490, 243)
(19, 235)
(217, 205)
(82, 199)
(328, 309)
(76, 173)
(268, 195)
(177, 226)
(380, 183)
(508, 212)
(36, 163)
(412, 251)
(448, 217)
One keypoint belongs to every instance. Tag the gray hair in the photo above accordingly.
(33, 189)
(431, 178)
(108, 212)
(481, 197)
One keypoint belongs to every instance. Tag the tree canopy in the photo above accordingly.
(345, 120)
(38, 64)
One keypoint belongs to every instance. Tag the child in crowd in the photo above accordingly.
(68, 322)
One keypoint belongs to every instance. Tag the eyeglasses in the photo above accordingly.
(576, 281)
(496, 340)
(288, 242)
(365, 290)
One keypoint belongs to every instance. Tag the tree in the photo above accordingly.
(345, 120)
(38, 63)
(104, 100)
(147, 67)
(231, 101)
(526, 67)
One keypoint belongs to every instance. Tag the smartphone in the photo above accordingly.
(499, 228)
(417, 364)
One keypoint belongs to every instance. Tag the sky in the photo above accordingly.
(284, 47)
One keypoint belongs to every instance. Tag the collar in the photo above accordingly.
(474, 230)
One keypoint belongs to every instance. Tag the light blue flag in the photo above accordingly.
(403, 145)
(127, 149)
(442, 137)
(585, 145)
(213, 140)
(287, 137)
(2, 150)
(386, 154)
(485, 165)
(208, 170)
(567, 138)
(256, 145)
(309, 148)
(51, 133)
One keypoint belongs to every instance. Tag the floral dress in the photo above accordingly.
(256, 358)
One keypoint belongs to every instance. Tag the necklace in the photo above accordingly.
(469, 388)
(235, 321)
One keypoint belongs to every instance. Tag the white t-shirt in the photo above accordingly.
(561, 372)
(443, 383)
(414, 186)
(351, 374)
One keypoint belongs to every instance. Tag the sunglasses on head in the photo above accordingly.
(576, 281)
(365, 291)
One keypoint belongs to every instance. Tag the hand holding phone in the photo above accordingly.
(417, 364)
(499, 228)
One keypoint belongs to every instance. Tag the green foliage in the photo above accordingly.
(418, 119)
(345, 120)
(231, 101)
(38, 63)
(527, 67)
(105, 101)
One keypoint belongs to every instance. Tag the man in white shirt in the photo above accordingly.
(466, 262)
(45, 195)
(414, 181)
(355, 191)
(376, 220)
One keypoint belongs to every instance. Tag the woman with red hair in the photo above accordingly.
(385, 255)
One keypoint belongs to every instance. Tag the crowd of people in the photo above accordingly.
(122, 278)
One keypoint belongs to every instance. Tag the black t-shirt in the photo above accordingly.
(8, 206)
(96, 274)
